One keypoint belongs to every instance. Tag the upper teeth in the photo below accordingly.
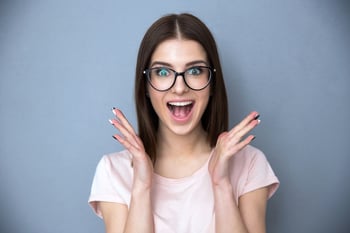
(180, 103)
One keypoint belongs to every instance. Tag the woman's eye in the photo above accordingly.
(162, 72)
(194, 71)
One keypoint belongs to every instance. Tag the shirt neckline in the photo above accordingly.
(173, 181)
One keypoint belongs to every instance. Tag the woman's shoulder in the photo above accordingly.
(251, 170)
(117, 159)
(123, 154)
(248, 158)
(249, 153)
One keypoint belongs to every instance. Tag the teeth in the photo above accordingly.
(180, 103)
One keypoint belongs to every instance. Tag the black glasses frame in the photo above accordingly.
(148, 71)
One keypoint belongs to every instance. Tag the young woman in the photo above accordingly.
(185, 171)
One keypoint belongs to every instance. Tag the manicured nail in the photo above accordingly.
(114, 110)
(110, 121)
(257, 116)
(115, 137)
(253, 138)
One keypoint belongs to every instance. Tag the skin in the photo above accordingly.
(188, 139)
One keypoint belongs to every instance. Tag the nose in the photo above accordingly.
(180, 86)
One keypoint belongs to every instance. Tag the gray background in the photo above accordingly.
(64, 64)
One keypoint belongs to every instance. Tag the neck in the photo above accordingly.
(181, 155)
(171, 145)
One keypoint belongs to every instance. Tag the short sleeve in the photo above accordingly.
(108, 184)
(260, 174)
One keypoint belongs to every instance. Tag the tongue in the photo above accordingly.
(181, 112)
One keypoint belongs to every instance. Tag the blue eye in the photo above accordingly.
(194, 71)
(162, 72)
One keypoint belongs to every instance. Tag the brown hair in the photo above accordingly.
(186, 26)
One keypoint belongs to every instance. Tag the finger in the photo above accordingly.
(123, 125)
(127, 135)
(251, 125)
(120, 116)
(239, 146)
(123, 141)
(127, 145)
(253, 116)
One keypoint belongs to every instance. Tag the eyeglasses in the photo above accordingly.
(163, 78)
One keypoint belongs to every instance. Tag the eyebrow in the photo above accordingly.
(187, 64)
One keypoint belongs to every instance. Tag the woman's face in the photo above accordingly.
(180, 108)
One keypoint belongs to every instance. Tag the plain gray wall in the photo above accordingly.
(64, 64)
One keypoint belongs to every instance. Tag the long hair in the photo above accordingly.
(185, 26)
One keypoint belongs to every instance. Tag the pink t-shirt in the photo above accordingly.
(183, 205)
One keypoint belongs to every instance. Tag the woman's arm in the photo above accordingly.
(252, 207)
(114, 216)
(139, 218)
(249, 216)
(229, 217)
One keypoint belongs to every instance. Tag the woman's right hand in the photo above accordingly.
(141, 162)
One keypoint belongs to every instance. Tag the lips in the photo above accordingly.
(180, 109)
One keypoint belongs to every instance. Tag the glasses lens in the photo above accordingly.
(162, 78)
(198, 77)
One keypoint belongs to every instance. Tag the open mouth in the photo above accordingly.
(180, 109)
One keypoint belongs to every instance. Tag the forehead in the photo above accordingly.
(179, 52)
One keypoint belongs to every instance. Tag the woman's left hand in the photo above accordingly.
(228, 144)
(140, 161)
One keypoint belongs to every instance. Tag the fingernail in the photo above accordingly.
(113, 110)
(114, 137)
(253, 138)
(257, 116)
(110, 121)
(259, 121)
